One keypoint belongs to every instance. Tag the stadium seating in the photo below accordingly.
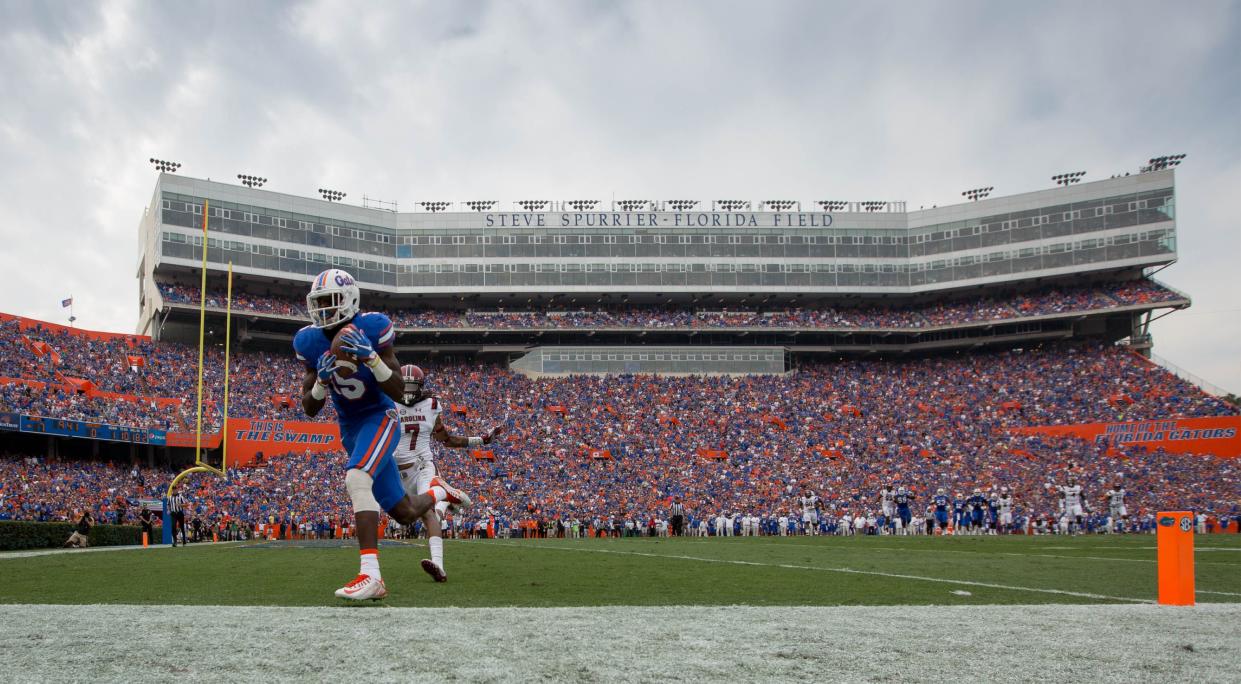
(1039, 302)
(842, 429)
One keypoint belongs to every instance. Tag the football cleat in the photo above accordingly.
(435, 571)
(455, 496)
(362, 588)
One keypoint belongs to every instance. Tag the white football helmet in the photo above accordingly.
(334, 298)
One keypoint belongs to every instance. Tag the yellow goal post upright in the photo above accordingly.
(201, 466)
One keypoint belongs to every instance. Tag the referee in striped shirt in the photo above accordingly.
(176, 506)
(676, 515)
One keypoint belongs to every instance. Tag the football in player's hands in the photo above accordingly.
(346, 362)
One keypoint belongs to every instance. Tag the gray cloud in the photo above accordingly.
(403, 102)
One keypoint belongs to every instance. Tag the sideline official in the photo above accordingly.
(176, 507)
(676, 515)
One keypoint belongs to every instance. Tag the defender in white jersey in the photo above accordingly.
(419, 414)
(887, 501)
(810, 506)
(1073, 501)
(1117, 513)
(1006, 510)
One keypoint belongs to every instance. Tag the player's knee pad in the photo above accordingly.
(359, 483)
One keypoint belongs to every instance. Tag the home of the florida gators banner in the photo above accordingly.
(1216, 435)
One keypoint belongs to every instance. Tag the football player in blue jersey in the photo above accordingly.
(960, 514)
(977, 507)
(904, 498)
(363, 392)
(941, 502)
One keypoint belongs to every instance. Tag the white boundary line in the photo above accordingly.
(849, 571)
(1013, 553)
(99, 549)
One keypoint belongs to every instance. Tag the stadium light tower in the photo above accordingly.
(978, 193)
(632, 205)
(332, 195)
(874, 205)
(1067, 179)
(434, 206)
(682, 204)
(532, 205)
(1164, 162)
(732, 205)
(251, 181)
(480, 205)
(832, 205)
(779, 205)
(164, 166)
(582, 205)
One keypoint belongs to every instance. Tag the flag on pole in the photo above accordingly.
(66, 303)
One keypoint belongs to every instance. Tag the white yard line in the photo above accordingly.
(849, 571)
(1140, 644)
(99, 549)
(1011, 553)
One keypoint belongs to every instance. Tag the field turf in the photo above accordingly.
(797, 571)
(630, 610)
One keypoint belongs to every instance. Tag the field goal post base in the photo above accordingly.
(166, 515)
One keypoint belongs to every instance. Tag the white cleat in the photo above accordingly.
(363, 588)
(455, 496)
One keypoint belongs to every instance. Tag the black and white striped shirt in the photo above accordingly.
(677, 509)
(176, 504)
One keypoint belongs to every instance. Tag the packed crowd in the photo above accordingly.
(623, 446)
(78, 377)
(915, 316)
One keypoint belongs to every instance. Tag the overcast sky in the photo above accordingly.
(457, 100)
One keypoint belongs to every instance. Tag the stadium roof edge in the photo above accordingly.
(229, 192)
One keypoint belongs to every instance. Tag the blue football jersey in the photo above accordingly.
(941, 502)
(903, 500)
(358, 395)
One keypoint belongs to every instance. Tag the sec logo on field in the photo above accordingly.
(1186, 524)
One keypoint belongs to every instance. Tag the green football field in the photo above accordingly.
(1007, 609)
(762, 571)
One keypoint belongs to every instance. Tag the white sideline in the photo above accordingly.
(849, 571)
(1058, 643)
(1023, 555)
(99, 549)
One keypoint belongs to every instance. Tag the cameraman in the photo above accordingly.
(147, 519)
(77, 540)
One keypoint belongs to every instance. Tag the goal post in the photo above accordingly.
(200, 465)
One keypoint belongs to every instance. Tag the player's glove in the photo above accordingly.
(357, 345)
(326, 368)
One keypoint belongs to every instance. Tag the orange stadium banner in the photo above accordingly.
(716, 454)
(248, 438)
(1217, 435)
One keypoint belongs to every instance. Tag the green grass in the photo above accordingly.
(638, 572)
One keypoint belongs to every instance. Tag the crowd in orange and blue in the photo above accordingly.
(842, 429)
